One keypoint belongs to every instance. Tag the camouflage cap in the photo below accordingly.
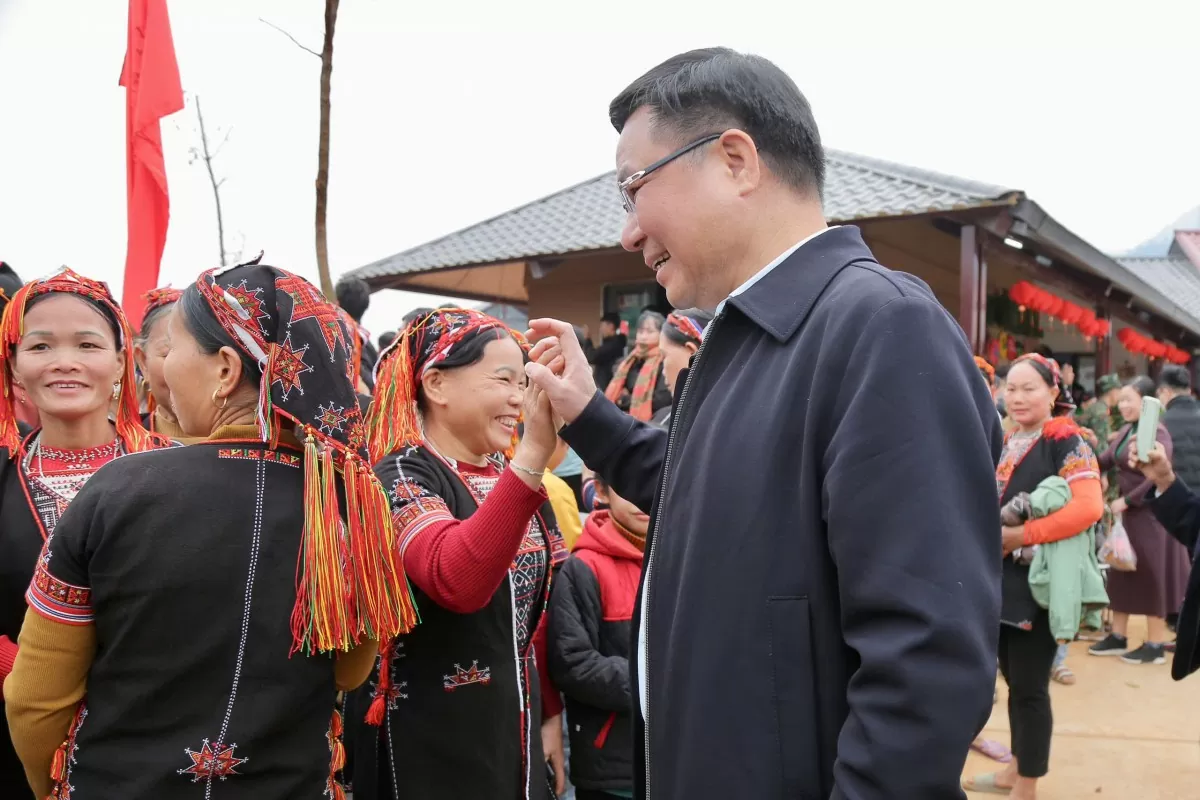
(1106, 383)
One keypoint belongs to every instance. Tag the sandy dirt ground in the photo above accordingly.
(1122, 732)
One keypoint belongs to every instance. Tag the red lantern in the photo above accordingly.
(1103, 327)
(1021, 293)
(1072, 314)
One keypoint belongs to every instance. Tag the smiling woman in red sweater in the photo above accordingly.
(457, 701)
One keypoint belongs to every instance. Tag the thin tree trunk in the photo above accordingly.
(331, 9)
(216, 187)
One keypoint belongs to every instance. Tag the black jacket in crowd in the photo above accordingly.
(605, 358)
(1182, 418)
(1178, 509)
(822, 580)
(588, 648)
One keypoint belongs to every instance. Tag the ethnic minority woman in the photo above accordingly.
(65, 343)
(458, 701)
(200, 607)
(150, 350)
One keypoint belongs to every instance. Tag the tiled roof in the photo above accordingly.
(1174, 277)
(588, 216)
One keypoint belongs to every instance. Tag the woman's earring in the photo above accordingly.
(116, 390)
(224, 400)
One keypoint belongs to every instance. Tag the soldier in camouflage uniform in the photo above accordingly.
(1107, 389)
(1093, 417)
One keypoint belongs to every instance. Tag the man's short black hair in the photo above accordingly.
(1175, 377)
(708, 91)
(612, 318)
(353, 295)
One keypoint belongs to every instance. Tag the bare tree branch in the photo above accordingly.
(208, 159)
(293, 38)
(217, 152)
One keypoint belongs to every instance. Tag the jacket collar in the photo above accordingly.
(781, 301)
(1182, 400)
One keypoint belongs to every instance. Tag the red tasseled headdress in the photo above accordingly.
(425, 343)
(129, 424)
(162, 296)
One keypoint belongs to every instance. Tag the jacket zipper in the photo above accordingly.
(677, 415)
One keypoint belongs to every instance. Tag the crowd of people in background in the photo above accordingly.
(1087, 440)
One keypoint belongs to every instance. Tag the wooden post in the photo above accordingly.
(981, 342)
(969, 286)
(1103, 346)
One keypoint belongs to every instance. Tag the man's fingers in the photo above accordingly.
(563, 331)
(540, 375)
(542, 346)
(541, 328)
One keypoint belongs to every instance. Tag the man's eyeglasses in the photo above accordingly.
(623, 186)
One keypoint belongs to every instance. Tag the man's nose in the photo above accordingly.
(632, 238)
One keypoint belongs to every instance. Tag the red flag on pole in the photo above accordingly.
(152, 91)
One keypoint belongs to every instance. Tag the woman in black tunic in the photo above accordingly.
(1045, 443)
(194, 575)
(458, 699)
(65, 340)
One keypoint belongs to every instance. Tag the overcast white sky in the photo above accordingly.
(447, 113)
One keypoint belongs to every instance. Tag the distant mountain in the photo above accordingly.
(1161, 241)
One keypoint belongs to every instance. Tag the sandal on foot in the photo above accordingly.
(993, 750)
(1062, 674)
(986, 784)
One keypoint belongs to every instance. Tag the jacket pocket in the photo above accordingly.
(794, 694)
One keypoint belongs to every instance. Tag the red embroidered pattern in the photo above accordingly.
(414, 508)
(57, 600)
(1015, 450)
(465, 677)
(250, 301)
(270, 456)
(212, 761)
(1080, 463)
(287, 365)
(308, 304)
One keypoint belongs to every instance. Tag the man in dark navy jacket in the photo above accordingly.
(819, 607)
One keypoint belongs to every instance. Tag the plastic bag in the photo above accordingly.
(1117, 550)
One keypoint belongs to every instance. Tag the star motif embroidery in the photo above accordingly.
(308, 304)
(250, 301)
(287, 365)
(212, 761)
(330, 420)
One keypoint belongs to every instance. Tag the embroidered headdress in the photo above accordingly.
(354, 334)
(129, 425)
(350, 585)
(426, 342)
(157, 298)
(691, 327)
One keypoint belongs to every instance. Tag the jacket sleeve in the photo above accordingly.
(1138, 495)
(908, 465)
(577, 666)
(1178, 509)
(626, 452)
